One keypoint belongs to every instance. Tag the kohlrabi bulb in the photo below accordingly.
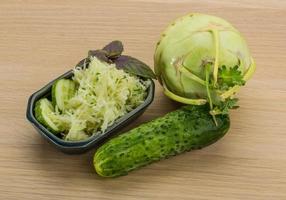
(202, 58)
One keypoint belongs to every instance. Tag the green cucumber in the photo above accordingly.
(62, 91)
(44, 113)
(190, 127)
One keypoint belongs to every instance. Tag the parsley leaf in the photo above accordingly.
(229, 77)
(224, 106)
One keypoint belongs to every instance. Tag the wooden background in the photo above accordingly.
(40, 40)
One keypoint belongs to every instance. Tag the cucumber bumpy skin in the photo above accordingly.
(188, 128)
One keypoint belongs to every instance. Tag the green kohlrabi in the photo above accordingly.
(203, 59)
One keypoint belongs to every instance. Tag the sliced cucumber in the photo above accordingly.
(44, 112)
(62, 91)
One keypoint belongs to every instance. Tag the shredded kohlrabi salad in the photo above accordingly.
(104, 93)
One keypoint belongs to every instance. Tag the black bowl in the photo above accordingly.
(83, 145)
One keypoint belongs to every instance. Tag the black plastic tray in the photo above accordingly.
(84, 145)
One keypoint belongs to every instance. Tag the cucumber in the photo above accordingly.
(190, 127)
(62, 91)
(44, 113)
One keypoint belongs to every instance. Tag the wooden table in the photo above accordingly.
(41, 39)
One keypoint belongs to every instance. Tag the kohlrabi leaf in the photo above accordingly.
(113, 49)
(134, 66)
(229, 77)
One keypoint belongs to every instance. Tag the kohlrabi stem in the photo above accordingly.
(215, 112)
(216, 61)
(207, 70)
(184, 100)
(192, 76)
(250, 70)
(246, 77)
(230, 92)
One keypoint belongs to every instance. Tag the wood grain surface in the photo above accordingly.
(40, 40)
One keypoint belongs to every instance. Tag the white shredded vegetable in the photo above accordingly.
(104, 94)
